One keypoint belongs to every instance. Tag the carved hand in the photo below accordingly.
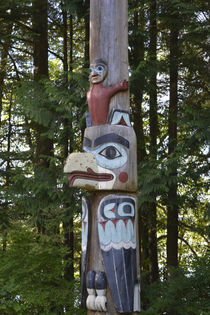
(123, 84)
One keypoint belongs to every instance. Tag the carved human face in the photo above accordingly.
(109, 161)
(98, 71)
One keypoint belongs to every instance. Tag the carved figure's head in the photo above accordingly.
(109, 162)
(98, 71)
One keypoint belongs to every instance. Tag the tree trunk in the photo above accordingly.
(68, 222)
(3, 64)
(172, 213)
(44, 145)
(153, 256)
(138, 56)
(71, 43)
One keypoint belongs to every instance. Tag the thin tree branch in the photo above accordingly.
(56, 55)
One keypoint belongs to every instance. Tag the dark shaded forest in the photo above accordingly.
(44, 61)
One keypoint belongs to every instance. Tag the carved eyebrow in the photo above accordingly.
(87, 142)
(111, 137)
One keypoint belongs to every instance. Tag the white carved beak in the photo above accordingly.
(85, 173)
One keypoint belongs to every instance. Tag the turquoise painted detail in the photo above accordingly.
(104, 160)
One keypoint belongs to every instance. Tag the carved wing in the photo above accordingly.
(85, 238)
(117, 236)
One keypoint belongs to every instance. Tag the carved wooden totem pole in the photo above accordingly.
(108, 169)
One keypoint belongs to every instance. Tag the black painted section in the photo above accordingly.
(83, 282)
(120, 266)
(90, 279)
(110, 153)
(100, 280)
(111, 137)
(118, 201)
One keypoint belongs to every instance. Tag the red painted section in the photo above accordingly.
(115, 222)
(85, 224)
(122, 122)
(98, 98)
(125, 222)
(103, 224)
(123, 177)
(89, 175)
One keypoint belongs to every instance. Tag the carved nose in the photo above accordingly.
(94, 73)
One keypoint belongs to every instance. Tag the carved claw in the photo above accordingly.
(90, 282)
(90, 302)
(101, 302)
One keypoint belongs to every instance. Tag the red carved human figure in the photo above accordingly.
(99, 96)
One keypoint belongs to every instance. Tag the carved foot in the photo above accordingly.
(100, 285)
(96, 283)
(101, 301)
(90, 283)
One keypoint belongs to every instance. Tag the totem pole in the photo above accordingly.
(108, 170)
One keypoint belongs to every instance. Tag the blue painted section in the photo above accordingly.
(117, 233)
(103, 158)
(108, 210)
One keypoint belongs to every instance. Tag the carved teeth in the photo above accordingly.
(117, 235)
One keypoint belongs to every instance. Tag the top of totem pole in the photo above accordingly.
(109, 161)
(109, 42)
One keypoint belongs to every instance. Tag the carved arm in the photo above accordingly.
(120, 86)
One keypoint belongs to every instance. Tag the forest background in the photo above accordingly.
(44, 60)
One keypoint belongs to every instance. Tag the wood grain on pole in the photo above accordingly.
(109, 41)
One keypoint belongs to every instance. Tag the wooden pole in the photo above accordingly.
(109, 41)
(108, 168)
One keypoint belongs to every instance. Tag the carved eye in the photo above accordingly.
(110, 153)
(100, 68)
(126, 209)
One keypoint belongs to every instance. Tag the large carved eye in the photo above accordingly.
(110, 153)
(110, 156)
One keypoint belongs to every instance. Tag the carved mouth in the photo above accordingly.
(89, 175)
(94, 76)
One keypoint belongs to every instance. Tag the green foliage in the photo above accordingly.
(185, 293)
(28, 285)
